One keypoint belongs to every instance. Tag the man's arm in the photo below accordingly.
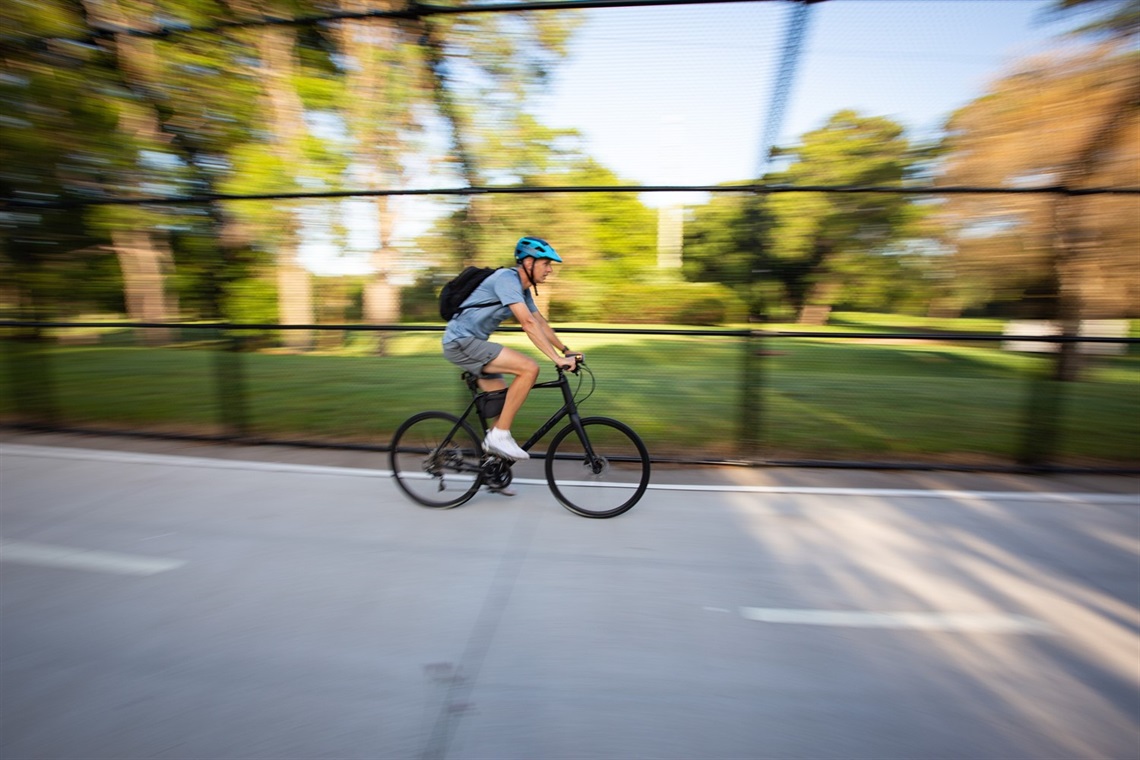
(549, 332)
(541, 334)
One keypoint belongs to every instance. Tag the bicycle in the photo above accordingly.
(595, 466)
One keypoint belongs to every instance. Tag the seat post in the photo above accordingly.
(471, 380)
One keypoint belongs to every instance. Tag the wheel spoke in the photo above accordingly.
(435, 462)
(605, 485)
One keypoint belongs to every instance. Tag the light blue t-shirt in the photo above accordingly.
(503, 286)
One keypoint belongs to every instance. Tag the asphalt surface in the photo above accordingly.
(173, 600)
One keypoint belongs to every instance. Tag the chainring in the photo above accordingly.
(497, 472)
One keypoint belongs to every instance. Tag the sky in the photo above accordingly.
(680, 95)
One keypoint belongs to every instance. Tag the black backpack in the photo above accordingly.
(456, 291)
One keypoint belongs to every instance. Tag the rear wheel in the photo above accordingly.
(603, 485)
(437, 460)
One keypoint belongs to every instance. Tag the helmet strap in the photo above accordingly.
(530, 272)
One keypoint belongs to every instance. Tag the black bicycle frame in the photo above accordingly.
(569, 409)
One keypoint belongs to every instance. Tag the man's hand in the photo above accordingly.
(569, 362)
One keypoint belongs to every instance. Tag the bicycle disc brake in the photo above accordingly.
(596, 466)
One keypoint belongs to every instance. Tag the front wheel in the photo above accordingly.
(603, 485)
(437, 460)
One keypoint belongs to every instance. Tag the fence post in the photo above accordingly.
(1042, 422)
(750, 390)
(32, 382)
(229, 376)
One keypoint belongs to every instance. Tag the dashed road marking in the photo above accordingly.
(955, 622)
(74, 558)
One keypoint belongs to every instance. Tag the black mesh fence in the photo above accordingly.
(970, 401)
(786, 238)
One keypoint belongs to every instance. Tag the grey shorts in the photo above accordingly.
(472, 354)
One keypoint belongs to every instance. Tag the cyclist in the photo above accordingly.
(466, 343)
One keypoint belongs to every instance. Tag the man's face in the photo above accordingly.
(541, 270)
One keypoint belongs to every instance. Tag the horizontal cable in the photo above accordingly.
(726, 333)
(412, 11)
(760, 189)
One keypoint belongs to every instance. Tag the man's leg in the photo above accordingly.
(488, 384)
(484, 357)
(525, 370)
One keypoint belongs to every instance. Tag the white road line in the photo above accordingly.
(171, 460)
(9, 449)
(955, 622)
(1083, 498)
(72, 558)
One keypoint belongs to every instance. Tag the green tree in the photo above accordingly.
(816, 233)
(58, 140)
(811, 243)
(1070, 120)
(281, 154)
(139, 115)
(472, 74)
(727, 241)
(385, 89)
(187, 101)
(607, 239)
(139, 235)
(1062, 257)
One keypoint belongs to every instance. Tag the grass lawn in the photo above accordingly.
(825, 398)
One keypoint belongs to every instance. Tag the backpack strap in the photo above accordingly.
(464, 307)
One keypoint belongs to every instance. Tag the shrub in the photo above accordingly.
(627, 301)
(649, 303)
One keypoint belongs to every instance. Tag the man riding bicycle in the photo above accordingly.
(466, 341)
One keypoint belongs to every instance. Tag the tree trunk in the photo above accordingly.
(294, 282)
(382, 301)
(814, 315)
(1070, 237)
(382, 295)
(434, 52)
(1066, 297)
(145, 256)
(141, 261)
(817, 305)
(368, 83)
(294, 299)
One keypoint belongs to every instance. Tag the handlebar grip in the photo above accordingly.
(579, 363)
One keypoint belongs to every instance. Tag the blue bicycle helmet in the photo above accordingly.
(536, 247)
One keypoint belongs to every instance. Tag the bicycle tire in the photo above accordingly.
(610, 491)
(432, 469)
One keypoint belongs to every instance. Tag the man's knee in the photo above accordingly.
(514, 363)
(525, 372)
(530, 369)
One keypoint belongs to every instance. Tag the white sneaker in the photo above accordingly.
(500, 442)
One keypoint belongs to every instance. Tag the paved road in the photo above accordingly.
(186, 607)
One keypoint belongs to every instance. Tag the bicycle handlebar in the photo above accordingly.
(581, 362)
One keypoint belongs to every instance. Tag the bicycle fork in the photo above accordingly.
(596, 465)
